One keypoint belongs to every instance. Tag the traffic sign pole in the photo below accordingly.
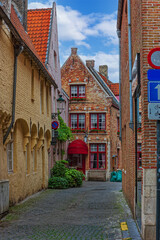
(154, 114)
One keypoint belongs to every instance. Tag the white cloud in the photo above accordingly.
(36, 4)
(73, 26)
(111, 60)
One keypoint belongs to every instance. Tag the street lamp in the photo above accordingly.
(86, 136)
(60, 106)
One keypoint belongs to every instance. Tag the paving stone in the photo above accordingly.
(92, 212)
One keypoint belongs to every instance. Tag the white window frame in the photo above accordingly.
(8, 154)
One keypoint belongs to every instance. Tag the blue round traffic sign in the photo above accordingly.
(55, 125)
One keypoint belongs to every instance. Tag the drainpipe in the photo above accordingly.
(130, 63)
(120, 110)
(17, 52)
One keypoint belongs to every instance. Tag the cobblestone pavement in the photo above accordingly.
(92, 212)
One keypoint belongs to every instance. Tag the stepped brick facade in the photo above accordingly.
(90, 102)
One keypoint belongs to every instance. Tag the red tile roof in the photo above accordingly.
(17, 24)
(38, 24)
(105, 79)
(113, 86)
(26, 39)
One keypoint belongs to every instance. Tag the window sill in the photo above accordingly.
(78, 131)
(77, 99)
(97, 131)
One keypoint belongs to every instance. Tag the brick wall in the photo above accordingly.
(145, 36)
(74, 72)
(32, 129)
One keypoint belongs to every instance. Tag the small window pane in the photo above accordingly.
(101, 160)
(73, 121)
(94, 121)
(101, 147)
(102, 121)
(10, 156)
(139, 149)
(93, 160)
(93, 147)
(73, 91)
(81, 91)
(81, 121)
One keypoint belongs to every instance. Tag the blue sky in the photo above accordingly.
(89, 25)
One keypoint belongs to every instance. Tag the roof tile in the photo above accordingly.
(24, 36)
(38, 24)
(113, 86)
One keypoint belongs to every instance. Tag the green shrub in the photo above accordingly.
(59, 169)
(58, 183)
(74, 177)
(64, 161)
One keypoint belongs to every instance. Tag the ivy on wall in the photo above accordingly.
(64, 132)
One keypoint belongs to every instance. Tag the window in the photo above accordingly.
(118, 129)
(10, 156)
(140, 117)
(34, 160)
(78, 91)
(47, 102)
(41, 98)
(139, 155)
(97, 156)
(27, 159)
(55, 60)
(98, 121)
(77, 121)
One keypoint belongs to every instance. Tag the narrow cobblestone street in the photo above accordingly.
(93, 211)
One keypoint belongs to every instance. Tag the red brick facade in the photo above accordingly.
(145, 36)
(96, 101)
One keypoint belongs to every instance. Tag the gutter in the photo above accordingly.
(131, 125)
(120, 107)
(119, 21)
(17, 51)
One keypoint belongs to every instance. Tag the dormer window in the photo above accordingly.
(78, 91)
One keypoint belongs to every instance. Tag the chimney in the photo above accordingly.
(103, 69)
(73, 51)
(90, 63)
(7, 6)
(21, 7)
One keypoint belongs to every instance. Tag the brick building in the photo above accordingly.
(42, 29)
(93, 117)
(25, 110)
(138, 30)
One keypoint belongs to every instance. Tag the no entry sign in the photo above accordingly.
(55, 125)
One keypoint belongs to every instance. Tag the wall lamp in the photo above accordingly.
(60, 106)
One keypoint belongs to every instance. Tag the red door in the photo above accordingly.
(81, 164)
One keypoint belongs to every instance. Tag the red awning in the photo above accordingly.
(78, 147)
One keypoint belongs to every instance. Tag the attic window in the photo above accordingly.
(55, 59)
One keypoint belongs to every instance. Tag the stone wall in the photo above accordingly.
(4, 196)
